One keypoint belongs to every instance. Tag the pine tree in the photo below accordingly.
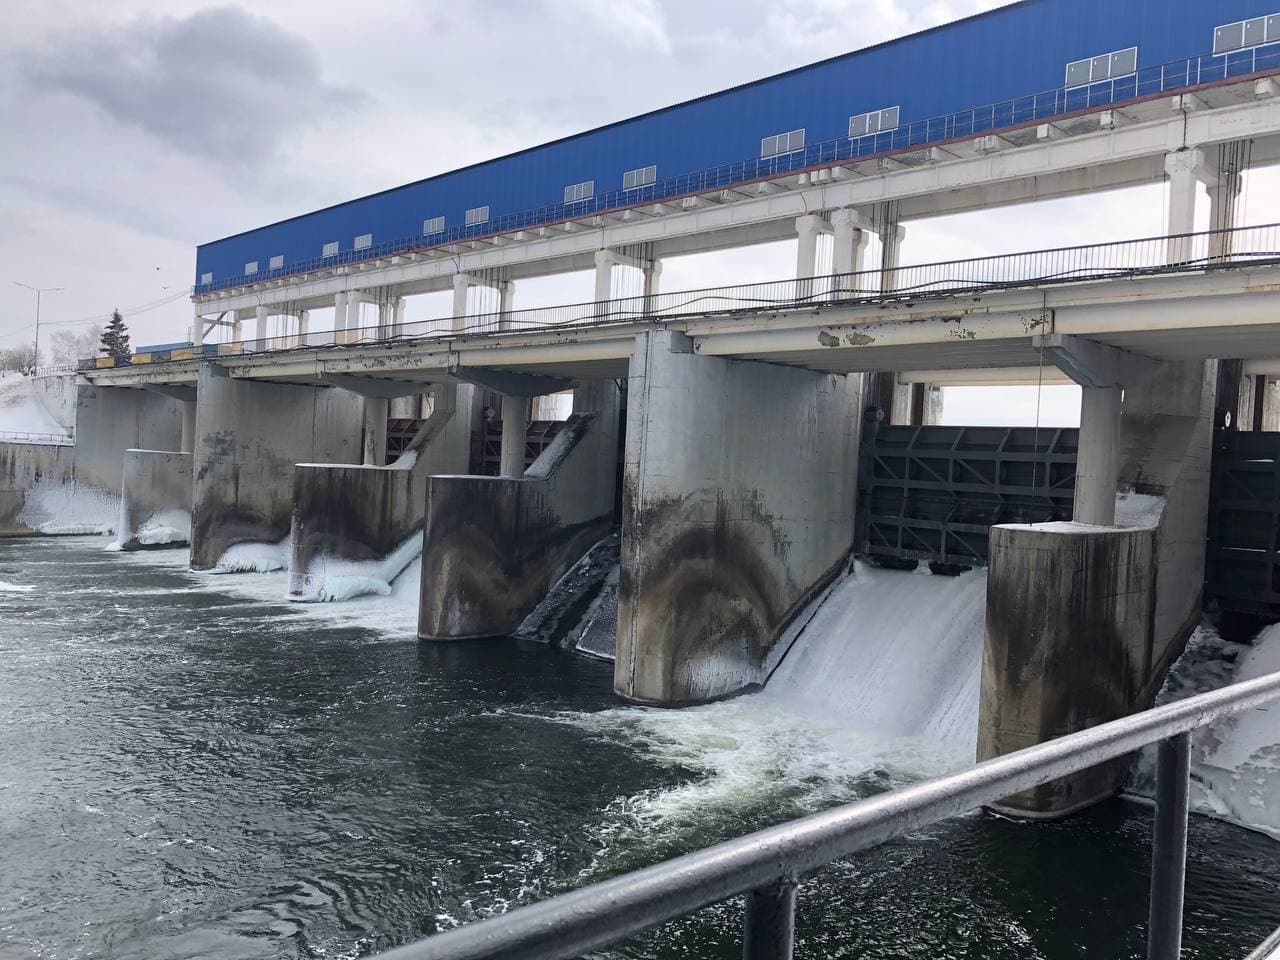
(115, 339)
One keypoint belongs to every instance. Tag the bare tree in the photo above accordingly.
(68, 346)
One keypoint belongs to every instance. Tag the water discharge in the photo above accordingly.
(190, 766)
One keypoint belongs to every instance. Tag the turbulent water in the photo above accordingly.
(192, 767)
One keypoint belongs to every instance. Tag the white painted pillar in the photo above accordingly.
(461, 286)
(376, 411)
(397, 317)
(188, 442)
(304, 324)
(849, 244)
(196, 336)
(354, 301)
(808, 227)
(260, 323)
(340, 311)
(506, 303)
(606, 260)
(515, 428)
(891, 237)
(1098, 458)
(1186, 170)
(652, 270)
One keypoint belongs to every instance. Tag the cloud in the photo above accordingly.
(220, 83)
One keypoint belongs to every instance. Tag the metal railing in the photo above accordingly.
(1212, 249)
(1185, 74)
(767, 865)
(21, 436)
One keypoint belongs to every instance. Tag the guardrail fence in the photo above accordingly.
(1208, 250)
(767, 866)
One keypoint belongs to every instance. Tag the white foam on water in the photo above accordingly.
(16, 587)
(391, 616)
(1235, 763)
(880, 689)
(332, 579)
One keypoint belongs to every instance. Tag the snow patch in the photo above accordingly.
(334, 579)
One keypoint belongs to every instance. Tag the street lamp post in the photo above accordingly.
(38, 291)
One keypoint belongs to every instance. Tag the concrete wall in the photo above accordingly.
(249, 436)
(58, 394)
(493, 546)
(155, 500)
(345, 516)
(26, 468)
(739, 495)
(76, 489)
(111, 420)
(1068, 646)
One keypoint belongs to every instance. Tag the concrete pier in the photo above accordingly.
(249, 436)
(493, 546)
(739, 494)
(155, 500)
(1084, 619)
(355, 528)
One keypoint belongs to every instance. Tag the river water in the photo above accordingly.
(191, 767)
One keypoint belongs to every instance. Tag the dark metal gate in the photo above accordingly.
(1242, 568)
(933, 493)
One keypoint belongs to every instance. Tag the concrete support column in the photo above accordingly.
(506, 303)
(304, 324)
(354, 300)
(397, 319)
(1098, 462)
(197, 331)
(652, 278)
(891, 237)
(462, 284)
(849, 241)
(260, 323)
(606, 260)
(340, 311)
(1186, 170)
(188, 441)
(515, 427)
(808, 228)
(237, 329)
(376, 411)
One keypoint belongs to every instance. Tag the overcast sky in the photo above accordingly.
(135, 130)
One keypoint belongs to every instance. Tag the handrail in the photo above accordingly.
(22, 436)
(1188, 73)
(1180, 253)
(768, 864)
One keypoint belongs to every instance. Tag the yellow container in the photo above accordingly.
(229, 349)
(141, 358)
(105, 362)
(183, 353)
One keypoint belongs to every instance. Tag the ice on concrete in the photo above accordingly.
(72, 508)
(167, 526)
(254, 558)
(1235, 763)
(1134, 511)
(331, 578)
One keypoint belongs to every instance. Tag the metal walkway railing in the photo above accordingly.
(767, 865)
(1149, 256)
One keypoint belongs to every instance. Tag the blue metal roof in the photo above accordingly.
(955, 80)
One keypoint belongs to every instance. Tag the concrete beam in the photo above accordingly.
(371, 387)
(1093, 364)
(187, 394)
(510, 383)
